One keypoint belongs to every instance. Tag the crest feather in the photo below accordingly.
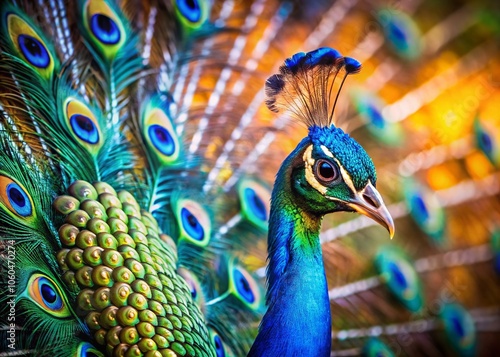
(305, 85)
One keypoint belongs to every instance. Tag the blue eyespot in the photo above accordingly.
(485, 142)
(87, 350)
(460, 329)
(105, 29)
(84, 128)
(19, 200)
(193, 291)
(401, 32)
(161, 139)
(420, 207)
(243, 286)
(255, 203)
(50, 297)
(456, 324)
(351, 65)
(375, 117)
(219, 347)
(191, 225)
(397, 34)
(34, 51)
(190, 9)
(398, 275)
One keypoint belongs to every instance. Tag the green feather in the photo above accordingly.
(425, 210)
(113, 46)
(400, 277)
(24, 39)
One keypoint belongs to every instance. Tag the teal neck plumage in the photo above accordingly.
(297, 321)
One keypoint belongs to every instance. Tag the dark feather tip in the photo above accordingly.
(271, 105)
(295, 62)
(352, 65)
(323, 56)
(274, 84)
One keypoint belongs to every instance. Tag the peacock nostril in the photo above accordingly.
(371, 201)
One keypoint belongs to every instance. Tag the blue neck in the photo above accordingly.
(297, 322)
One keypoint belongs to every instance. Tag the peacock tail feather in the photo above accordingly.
(139, 141)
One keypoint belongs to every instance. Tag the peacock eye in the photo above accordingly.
(15, 198)
(34, 51)
(255, 203)
(219, 347)
(190, 9)
(243, 286)
(105, 29)
(325, 171)
(46, 294)
(162, 139)
(85, 349)
(84, 128)
(191, 224)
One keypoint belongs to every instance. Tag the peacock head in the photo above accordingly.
(336, 174)
(330, 171)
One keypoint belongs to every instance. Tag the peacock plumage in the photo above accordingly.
(140, 141)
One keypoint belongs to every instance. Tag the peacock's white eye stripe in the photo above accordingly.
(309, 171)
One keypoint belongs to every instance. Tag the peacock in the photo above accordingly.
(167, 168)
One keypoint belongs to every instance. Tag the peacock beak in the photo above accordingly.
(369, 203)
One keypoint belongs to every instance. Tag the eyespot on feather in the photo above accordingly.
(401, 33)
(194, 222)
(459, 329)
(104, 26)
(243, 286)
(45, 293)
(160, 136)
(29, 43)
(425, 210)
(221, 349)
(487, 140)
(370, 108)
(255, 202)
(15, 198)
(400, 277)
(190, 9)
(85, 349)
(194, 287)
(83, 125)
(192, 14)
